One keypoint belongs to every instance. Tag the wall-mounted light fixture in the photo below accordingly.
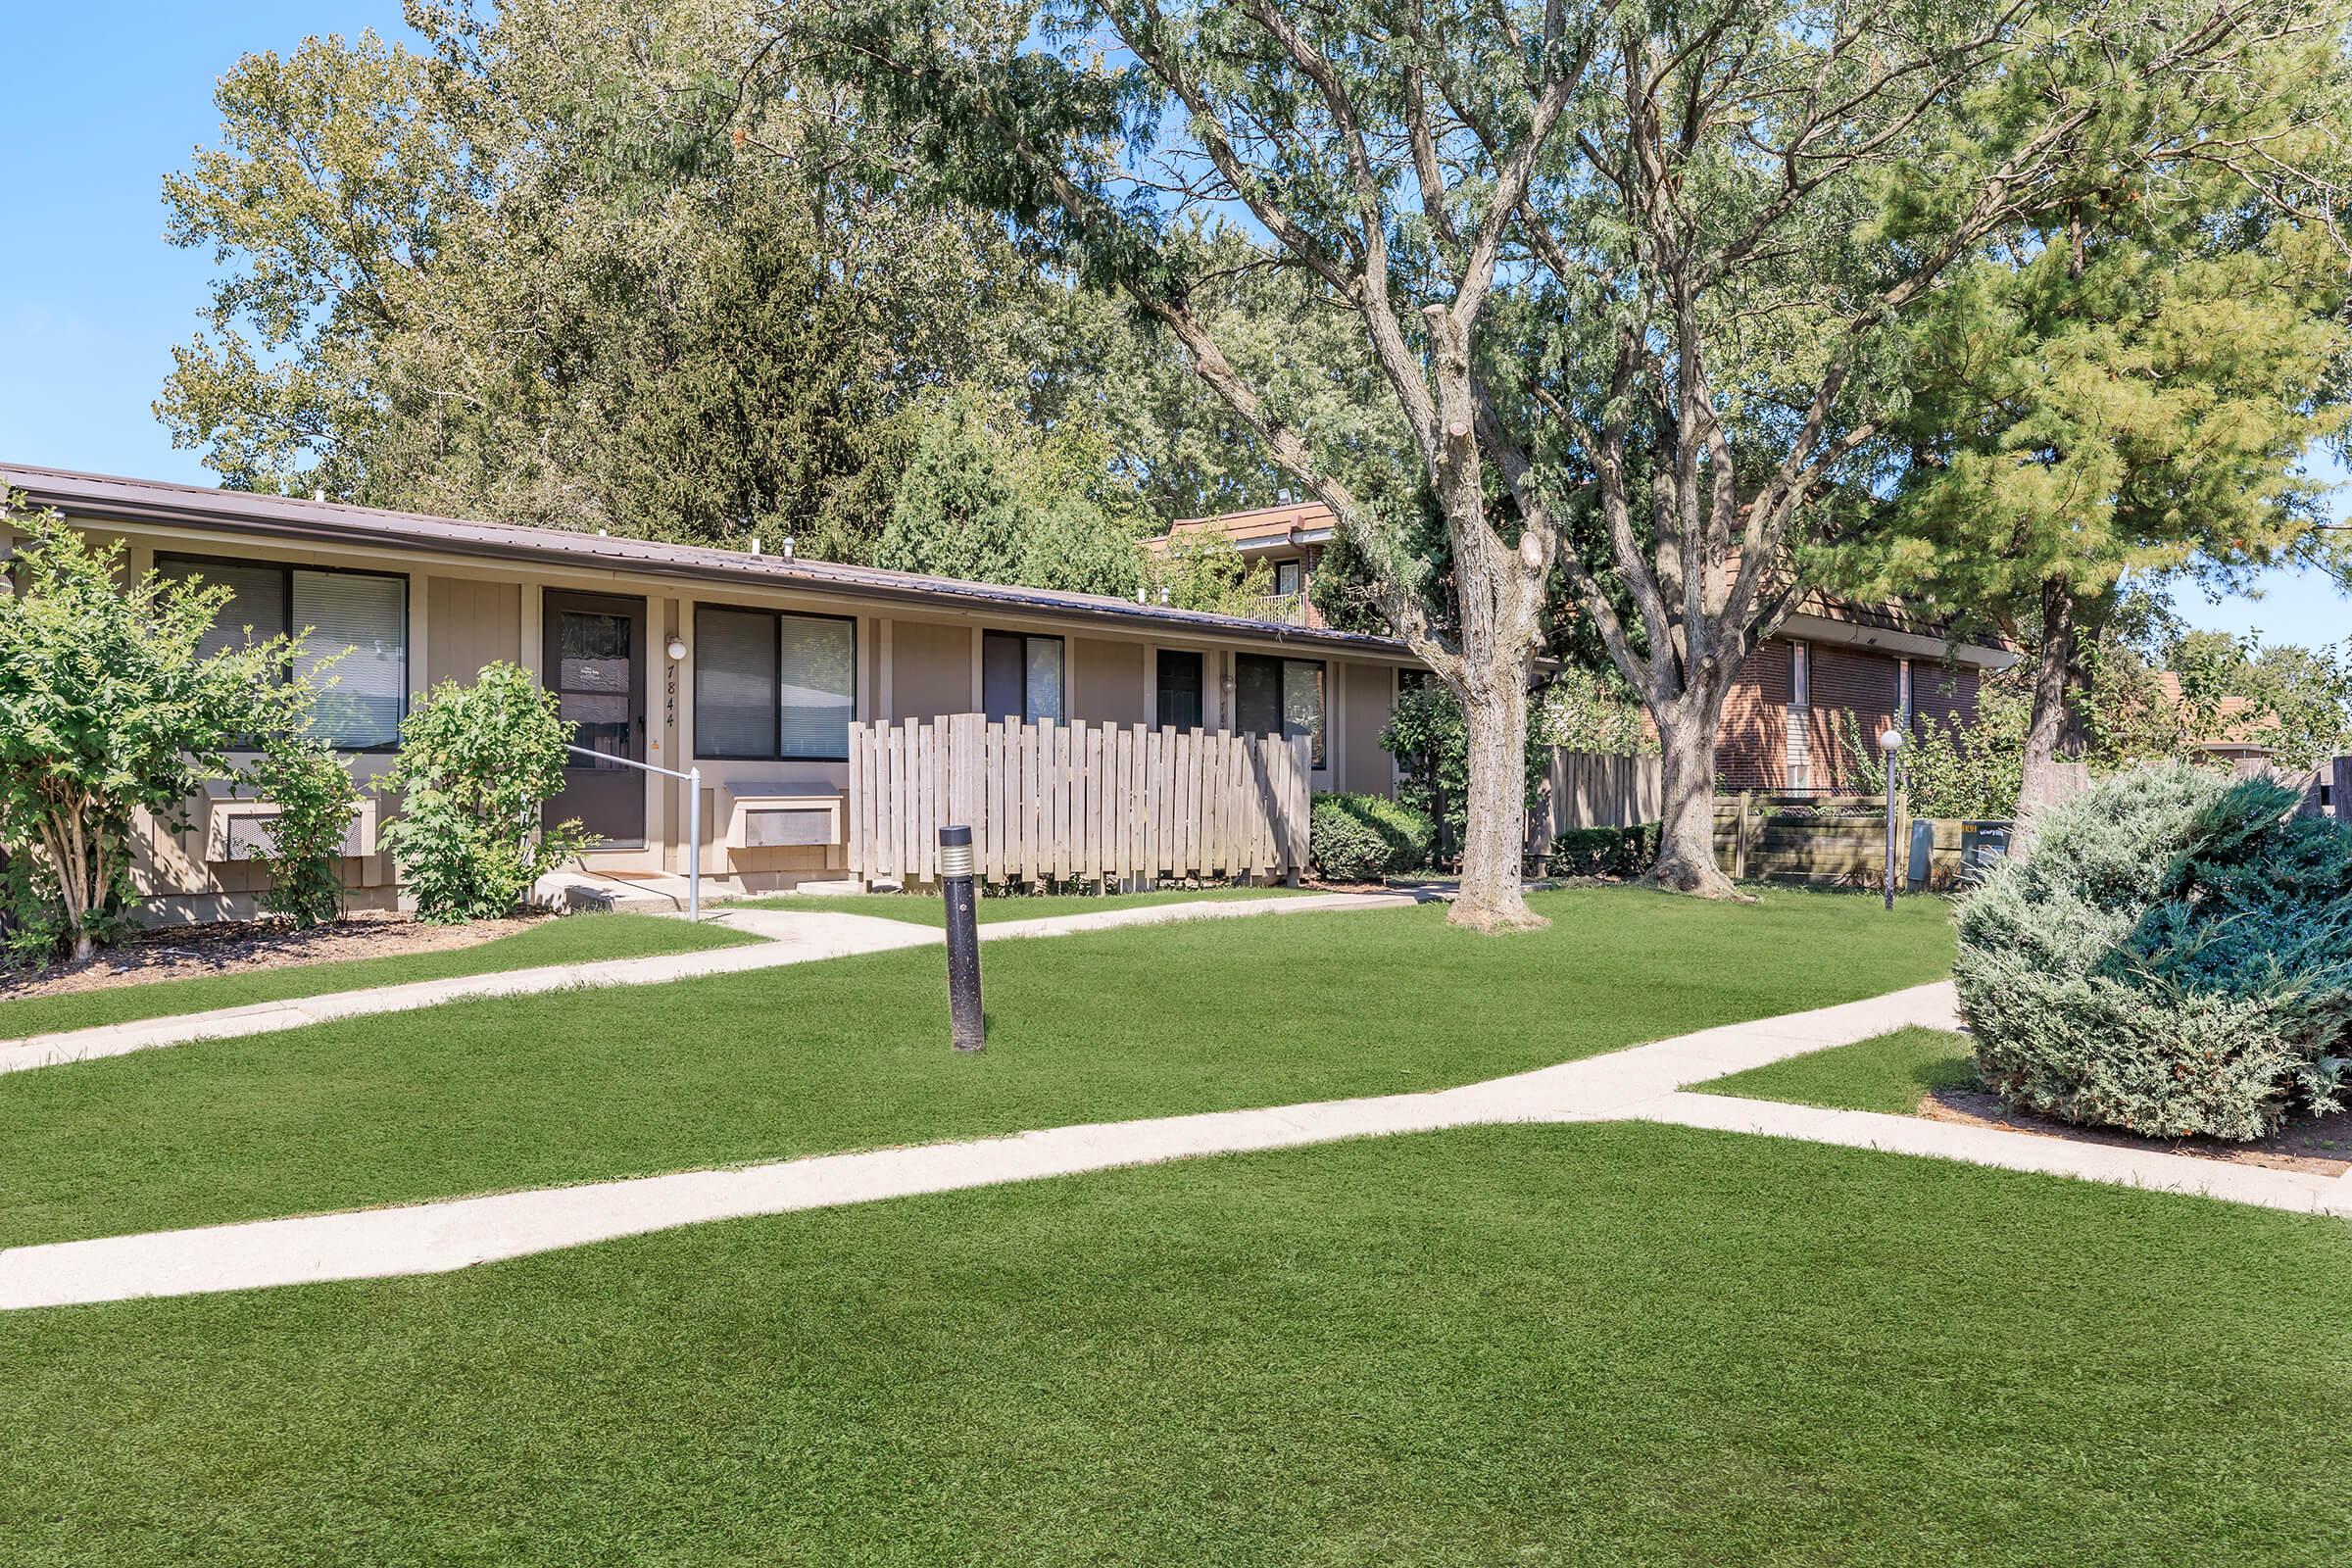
(676, 650)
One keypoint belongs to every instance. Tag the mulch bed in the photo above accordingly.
(2318, 1145)
(174, 952)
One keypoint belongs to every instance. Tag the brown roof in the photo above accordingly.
(152, 501)
(2234, 727)
(1256, 526)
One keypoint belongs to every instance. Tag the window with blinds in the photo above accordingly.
(773, 687)
(355, 634)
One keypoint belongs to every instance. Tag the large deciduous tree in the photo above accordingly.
(1633, 274)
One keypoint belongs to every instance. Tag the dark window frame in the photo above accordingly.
(775, 645)
(1298, 569)
(285, 591)
(1159, 688)
(1319, 758)
(1025, 638)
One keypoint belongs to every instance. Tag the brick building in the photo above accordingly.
(1784, 722)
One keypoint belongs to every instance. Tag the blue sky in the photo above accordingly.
(92, 298)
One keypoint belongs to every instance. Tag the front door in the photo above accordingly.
(595, 664)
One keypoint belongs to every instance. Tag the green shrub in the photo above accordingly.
(110, 705)
(476, 763)
(2172, 955)
(316, 800)
(1606, 850)
(1361, 838)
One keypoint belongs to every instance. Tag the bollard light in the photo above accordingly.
(1890, 741)
(966, 1027)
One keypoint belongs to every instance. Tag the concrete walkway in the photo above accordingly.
(1640, 1083)
(432, 1238)
(793, 936)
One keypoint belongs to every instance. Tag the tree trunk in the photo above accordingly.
(1686, 861)
(1493, 834)
(2054, 735)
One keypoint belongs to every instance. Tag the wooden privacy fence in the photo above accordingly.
(1590, 789)
(1058, 802)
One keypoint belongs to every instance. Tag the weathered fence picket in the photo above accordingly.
(1056, 802)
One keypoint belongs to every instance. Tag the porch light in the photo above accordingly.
(676, 650)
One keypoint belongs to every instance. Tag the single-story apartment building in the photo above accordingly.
(749, 666)
(752, 667)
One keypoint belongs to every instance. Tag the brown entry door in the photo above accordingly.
(595, 664)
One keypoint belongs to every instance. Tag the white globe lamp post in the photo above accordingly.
(1890, 742)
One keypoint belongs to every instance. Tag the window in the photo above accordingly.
(1288, 578)
(773, 687)
(1902, 695)
(1279, 697)
(1179, 690)
(1800, 676)
(1021, 676)
(360, 615)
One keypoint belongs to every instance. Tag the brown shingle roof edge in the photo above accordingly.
(114, 499)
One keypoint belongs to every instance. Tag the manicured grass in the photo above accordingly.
(853, 1053)
(924, 908)
(573, 939)
(1891, 1072)
(1566, 1345)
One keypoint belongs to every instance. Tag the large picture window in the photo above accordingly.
(773, 687)
(360, 615)
(1280, 697)
(1021, 676)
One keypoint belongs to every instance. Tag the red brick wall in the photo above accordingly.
(1944, 694)
(1751, 753)
(1751, 750)
(1848, 681)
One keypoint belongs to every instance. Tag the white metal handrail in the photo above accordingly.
(694, 819)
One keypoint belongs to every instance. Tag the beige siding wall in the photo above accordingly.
(1107, 682)
(469, 624)
(930, 668)
(1367, 694)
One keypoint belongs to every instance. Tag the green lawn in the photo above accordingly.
(573, 939)
(853, 1053)
(1892, 1072)
(930, 910)
(1557, 1345)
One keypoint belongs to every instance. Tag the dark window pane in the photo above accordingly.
(1257, 694)
(820, 667)
(734, 683)
(1179, 690)
(595, 653)
(1003, 680)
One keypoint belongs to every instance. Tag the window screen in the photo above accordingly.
(734, 683)
(1280, 697)
(1021, 676)
(820, 686)
(365, 619)
(362, 615)
(773, 686)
